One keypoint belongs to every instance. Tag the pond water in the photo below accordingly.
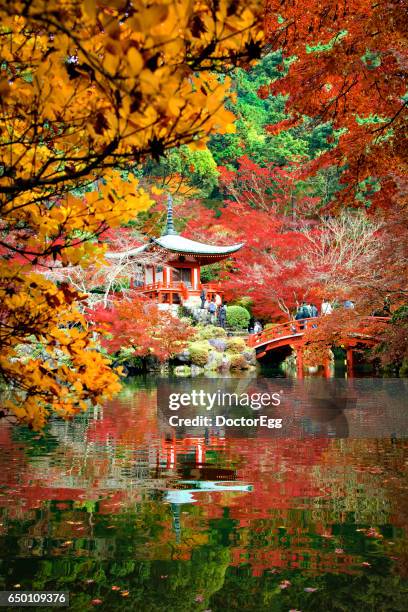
(124, 515)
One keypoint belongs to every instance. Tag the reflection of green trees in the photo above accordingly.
(374, 590)
(35, 445)
(298, 535)
(206, 582)
(153, 585)
(136, 550)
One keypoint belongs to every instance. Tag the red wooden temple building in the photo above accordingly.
(176, 280)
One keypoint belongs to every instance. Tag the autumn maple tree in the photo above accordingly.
(348, 68)
(88, 89)
(139, 325)
(345, 65)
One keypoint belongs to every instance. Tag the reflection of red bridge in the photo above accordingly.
(290, 335)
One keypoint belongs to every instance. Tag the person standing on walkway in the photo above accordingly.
(303, 313)
(313, 310)
(257, 327)
(307, 310)
(222, 316)
(203, 296)
(326, 308)
(212, 308)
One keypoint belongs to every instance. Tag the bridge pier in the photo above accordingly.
(299, 362)
(350, 363)
(327, 370)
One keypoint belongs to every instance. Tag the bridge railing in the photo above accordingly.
(290, 328)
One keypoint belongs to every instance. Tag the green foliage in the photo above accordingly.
(199, 352)
(197, 168)
(236, 345)
(270, 325)
(254, 114)
(210, 331)
(237, 317)
(244, 301)
(403, 371)
(401, 314)
(210, 273)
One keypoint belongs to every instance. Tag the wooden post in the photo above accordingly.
(299, 362)
(193, 278)
(350, 362)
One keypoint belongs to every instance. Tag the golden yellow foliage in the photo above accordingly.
(47, 355)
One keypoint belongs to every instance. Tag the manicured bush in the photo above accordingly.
(245, 302)
(238, 362)
(237, 317)
(214, 361)
(210, 331)
(219, 344)
(199, 352)
(236, 345)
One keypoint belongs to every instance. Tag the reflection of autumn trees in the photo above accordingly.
(84, 507)
(308, 499)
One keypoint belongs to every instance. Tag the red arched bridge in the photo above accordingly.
(291, 335)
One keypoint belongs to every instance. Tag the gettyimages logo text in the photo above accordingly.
(221, 399)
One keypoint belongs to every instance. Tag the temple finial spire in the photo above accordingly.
(169, 229)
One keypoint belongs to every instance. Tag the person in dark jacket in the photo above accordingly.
(222, 316)
(304, 312)
(203, 296)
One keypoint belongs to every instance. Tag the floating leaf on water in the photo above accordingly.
(284, 584)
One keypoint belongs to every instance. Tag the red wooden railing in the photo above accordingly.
(292, 329)
(280, 331)
(179, 287)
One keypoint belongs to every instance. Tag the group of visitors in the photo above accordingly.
(306, 311)
(309, 311)
(217, 312)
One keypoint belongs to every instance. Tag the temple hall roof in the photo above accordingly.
(180, 244)
(171, 241)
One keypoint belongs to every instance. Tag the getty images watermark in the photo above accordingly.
(203, 400)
